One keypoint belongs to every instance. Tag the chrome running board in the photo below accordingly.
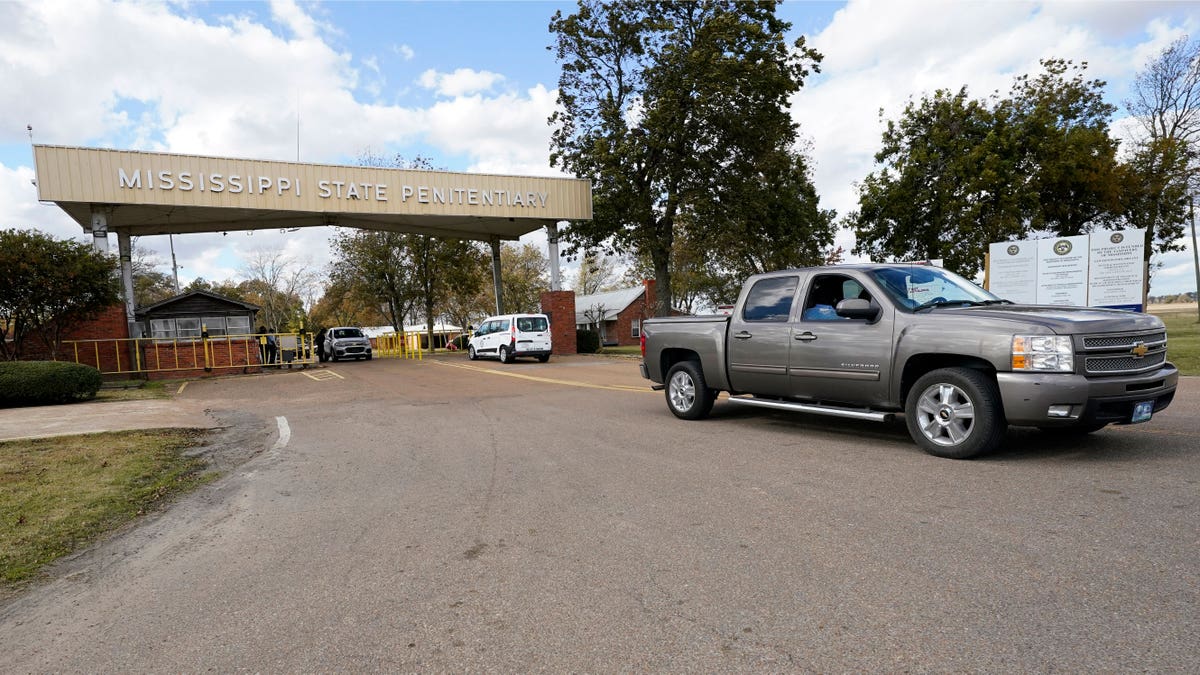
(832, 411)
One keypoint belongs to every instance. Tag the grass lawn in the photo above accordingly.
(58, 494)
(134, 390)
(633, 350)
(1183, 340)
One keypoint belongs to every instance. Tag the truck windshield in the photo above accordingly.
(917, 286)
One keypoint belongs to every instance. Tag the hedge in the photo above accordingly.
(587, 341)
(46, 383)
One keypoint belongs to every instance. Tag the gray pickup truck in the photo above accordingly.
(873, 341)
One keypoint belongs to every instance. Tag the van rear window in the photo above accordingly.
(531, 324)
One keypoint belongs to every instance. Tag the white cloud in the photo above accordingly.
(404, 51)
(299, 22)
(19, 208)
(502, 134)
(461, 82)
(154, 78)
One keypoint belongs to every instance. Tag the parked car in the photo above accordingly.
(346, 342)
(511, 335)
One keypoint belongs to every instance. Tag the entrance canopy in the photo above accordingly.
(145, 193)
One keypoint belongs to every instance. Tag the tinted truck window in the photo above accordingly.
(770, 300)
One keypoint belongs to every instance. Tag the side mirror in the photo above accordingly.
(857, 308)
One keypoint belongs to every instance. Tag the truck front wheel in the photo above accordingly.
(688, 395)
(955, 413)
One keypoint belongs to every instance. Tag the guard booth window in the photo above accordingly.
(169, 329)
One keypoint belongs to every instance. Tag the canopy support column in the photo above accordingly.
(125, 252)
(99, 228)
(496, 277)
(552, 251)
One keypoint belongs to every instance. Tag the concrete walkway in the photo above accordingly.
(97, 416)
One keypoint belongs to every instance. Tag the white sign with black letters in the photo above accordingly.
(1062, 275)
(1115, 272)
(1013, 271)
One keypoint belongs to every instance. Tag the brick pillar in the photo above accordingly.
(651, 298)
(560, 307)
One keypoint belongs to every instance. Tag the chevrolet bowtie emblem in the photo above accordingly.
(1139, 350)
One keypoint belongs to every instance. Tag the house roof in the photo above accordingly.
(613, 302)
(439, 328)
(191, 294)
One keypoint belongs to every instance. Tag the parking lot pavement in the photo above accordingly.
(430, 516)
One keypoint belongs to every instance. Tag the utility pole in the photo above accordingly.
(174, 265)
(1195, 253)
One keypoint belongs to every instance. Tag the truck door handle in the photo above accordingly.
(743, 335)
(806, 337)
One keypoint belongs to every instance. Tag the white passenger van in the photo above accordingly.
(511, 335)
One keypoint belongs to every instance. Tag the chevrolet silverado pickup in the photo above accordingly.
(874, 341)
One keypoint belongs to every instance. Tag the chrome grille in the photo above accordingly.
(1122, 341)
(1113, 354)
(1123, 364)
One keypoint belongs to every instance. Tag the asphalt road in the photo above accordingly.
(436, 516)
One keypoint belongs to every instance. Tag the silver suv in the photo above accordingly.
(345, 342)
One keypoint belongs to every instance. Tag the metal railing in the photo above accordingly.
(406, 345)
(132, 356)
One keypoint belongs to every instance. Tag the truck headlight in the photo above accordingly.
(1052, 353)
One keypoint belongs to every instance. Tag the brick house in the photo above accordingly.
(169, 344)
(616, 315)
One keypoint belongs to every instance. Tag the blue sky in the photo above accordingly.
(470, 85)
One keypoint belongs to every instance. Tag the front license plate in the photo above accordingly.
(1142, 411)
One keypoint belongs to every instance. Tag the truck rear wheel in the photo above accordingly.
(955, 413)
(688, 395)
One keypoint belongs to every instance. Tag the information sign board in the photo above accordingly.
(1013, 271)
(1062, 273)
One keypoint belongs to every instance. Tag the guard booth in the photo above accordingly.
(187, 315)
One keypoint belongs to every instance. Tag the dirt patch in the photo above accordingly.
(239, 436)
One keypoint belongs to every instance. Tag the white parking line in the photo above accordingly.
(322, 375)
(285, 434)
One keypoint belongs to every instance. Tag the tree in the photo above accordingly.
(1165, 162)
(523, 277)
(342, 305)
(278, 283)
(227, 289)
(780, 225)
(597, 273)
(958, 174)
(149, 285)
(439, 267)
(374, 266)
(48, 287)
(595, 314)
(660, 104)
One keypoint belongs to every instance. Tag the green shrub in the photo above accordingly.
(46, 383)
(587, 341)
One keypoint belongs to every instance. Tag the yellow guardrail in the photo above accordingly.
(150, 355)
(406, 345)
